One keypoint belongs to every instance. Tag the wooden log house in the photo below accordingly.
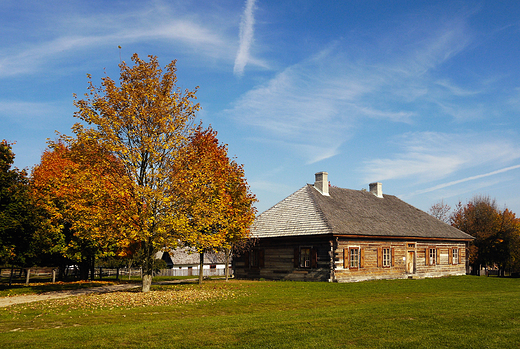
(323, 233)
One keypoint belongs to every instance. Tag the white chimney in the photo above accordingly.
(321, 183)
(376, 189)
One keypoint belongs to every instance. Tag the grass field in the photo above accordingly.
(459, 312)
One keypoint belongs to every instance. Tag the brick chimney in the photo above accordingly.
(376, 189)
(321, 183)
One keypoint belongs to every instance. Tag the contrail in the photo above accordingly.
(440, 186)
(246, 38)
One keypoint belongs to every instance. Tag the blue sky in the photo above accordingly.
(423, 96)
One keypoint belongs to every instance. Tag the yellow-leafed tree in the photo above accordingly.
(214, 203)
(144, 121)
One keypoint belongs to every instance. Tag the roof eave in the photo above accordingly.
(386, 237)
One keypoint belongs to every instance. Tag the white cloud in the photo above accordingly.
(456, 90)
(246, 38)
(447, 42)
(62, 36)
(317, 102)
(430, 156)
(462, 112)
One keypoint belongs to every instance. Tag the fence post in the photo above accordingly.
(27, 277)
(53, 276)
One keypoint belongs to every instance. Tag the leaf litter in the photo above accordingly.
(129, 299)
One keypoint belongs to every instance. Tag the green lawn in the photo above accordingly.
(460, 312)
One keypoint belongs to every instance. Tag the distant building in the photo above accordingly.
(185, 262)
(323, 233)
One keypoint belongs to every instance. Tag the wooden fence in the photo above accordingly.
(48, 274)
(193, 272)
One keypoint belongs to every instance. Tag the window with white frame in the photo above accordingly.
(354, 258)
(432, 256)
(455, 256)
(387, 257)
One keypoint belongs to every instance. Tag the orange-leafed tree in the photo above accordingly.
(86, 203)
(215, 205)
(496, 232)
(143, 121)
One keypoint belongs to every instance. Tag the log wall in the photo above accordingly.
(404, 252)
(332, 260)
(279, 261)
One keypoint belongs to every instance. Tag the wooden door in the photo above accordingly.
(410, 262)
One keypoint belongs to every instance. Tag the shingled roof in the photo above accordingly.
(350, 212)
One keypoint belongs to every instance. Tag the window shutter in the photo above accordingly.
(246, 260)
(314, 258)
(458, 254)
(296, 257)
(361, 257)
(450, 256)
(345, 258)
(392, 256)
(379, 257)
(437, 256)
(261, 258)
(427, 255)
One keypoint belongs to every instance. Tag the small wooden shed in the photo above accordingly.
(323, 233)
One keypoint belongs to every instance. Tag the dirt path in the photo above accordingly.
(7, 301)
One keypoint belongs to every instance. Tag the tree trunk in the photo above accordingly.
(201, 268)
(227, 264)
(129, 270)
(147, 268)
(84, 269)
(92, 269)
(147, 282)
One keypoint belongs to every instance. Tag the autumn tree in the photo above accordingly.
(496, 233)
(84, 202)
(17, 214)
(509, 233)
(144, 122)
(441, 211)
(214, 201)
